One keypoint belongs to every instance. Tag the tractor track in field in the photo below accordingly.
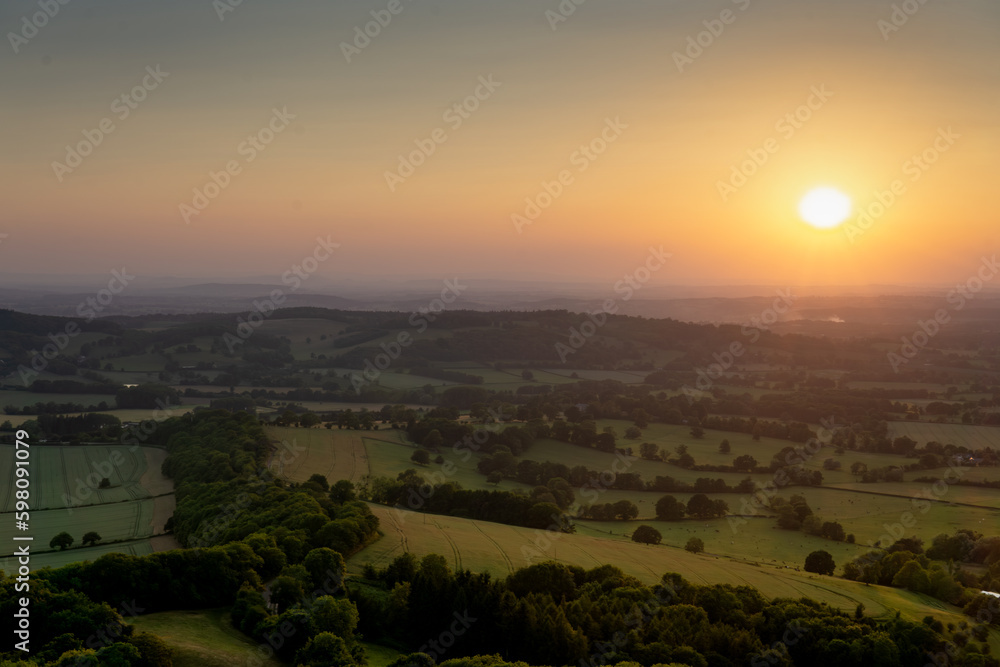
(503, 552)
(402, 535)
(451, 542)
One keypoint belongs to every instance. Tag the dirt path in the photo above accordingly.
(152, 478)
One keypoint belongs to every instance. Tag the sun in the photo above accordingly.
(825, 208)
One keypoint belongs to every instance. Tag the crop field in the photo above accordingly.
(64, 497)
(204, 638)
(303, 452)
(498, 549)
(967, 435)
(69, 475)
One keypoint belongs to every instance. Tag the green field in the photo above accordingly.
(967, 435)
(498, 549)
(207, 638)
(64, 497)
(56, 559)
(204, 638)
(869, 511)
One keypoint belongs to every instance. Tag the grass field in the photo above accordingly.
(204, 638)
(973, 437)
(486, 547)
(869, 511)
(303, 452)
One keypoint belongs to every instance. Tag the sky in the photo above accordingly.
(584, 135)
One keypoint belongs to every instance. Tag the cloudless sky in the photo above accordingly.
(656, 184)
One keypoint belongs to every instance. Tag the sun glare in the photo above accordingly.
(825, 208)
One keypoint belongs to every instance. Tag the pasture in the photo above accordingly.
(961, 435)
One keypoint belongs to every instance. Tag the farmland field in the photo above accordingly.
(69, 475)
(65, 497)
(303, 452)
(871, 512)
(203, 638)
(497, 549)
(967, 435)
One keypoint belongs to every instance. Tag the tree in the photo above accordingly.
(669, 508)
(625, 510)
(858, 469)
(285, 592)
(702, 507)
(433, 440)
(309, 419)
(90, 538)
(63, 541)
(695, 545)
(633, 433)
(724, 447)
(646, 535)
(342, 492)
(698, 432)
(325, 566)
(325, 650)
(745, 463)
(105, 483)
(421, 456)
(527, 376)
(320, 480)
(820, 562)
(494, 477)
(339, 616)
(650, 451)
